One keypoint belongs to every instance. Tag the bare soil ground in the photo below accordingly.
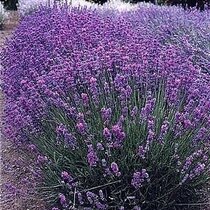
(17, 171)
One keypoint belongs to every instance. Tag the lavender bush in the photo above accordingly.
(27, 7)
(117, 106)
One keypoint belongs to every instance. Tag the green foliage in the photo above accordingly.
(10, 4)
(164, 189)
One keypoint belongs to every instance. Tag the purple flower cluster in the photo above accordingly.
(64, 135)
(118, 134)
(81, 124)
(68, 179)
(63, 201)
(139, 178)
(194, 165)
(40, 72)
(92, 156)
(115, 169)
(106, 114)
(120, 92)
(94, 200)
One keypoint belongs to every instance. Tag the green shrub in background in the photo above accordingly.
(200, 4)
(10, 4)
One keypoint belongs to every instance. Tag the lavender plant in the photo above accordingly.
(26, 7)
(136, 146)
(119, 116)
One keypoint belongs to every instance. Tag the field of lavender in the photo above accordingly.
(113, 103)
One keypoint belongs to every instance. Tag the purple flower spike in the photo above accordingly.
(81, 127)
(115, 169)
(85, 99)
(62, 198)
(100, 146)
(106, 114)
(65, 175)
(41, 159)
(118, 134)
(141, 152)
(64, 135)
(80, 198)
(139, 178)
(92, 156)
(107, 134)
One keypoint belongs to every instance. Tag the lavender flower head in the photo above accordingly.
(92, 156)
(139, 178)
(62, 200)
(115, 169)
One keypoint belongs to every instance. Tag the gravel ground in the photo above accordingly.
(17, 169)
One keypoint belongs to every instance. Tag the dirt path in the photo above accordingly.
(17, 175)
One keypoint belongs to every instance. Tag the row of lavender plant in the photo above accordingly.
(26, 7)
(116, 107)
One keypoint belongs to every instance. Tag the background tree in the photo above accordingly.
(10, 4)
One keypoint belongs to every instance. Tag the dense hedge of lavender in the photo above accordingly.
(117, 107)
(26, 7)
